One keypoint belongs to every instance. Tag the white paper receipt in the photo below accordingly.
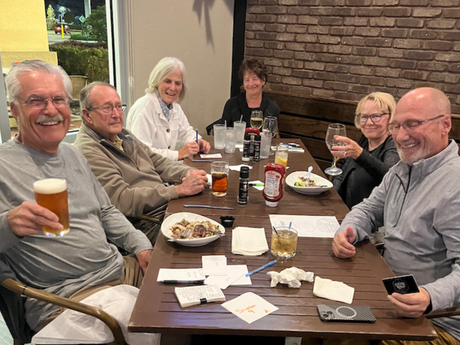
(211, 155)
(185, 275)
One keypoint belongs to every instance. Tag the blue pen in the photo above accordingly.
(196, 135)
(271, 263)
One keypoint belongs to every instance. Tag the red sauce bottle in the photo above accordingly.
(273, 183)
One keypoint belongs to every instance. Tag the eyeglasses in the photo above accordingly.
(410, 125)
(108, 108)
(375, 118)
(38, 102)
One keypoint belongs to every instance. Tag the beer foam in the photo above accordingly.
(50, 186)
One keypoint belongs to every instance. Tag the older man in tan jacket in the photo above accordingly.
(135, 178)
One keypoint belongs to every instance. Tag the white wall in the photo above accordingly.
(198, 32)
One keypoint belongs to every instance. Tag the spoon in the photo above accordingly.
(310, 168)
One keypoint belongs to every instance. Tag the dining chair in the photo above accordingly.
(12, 300)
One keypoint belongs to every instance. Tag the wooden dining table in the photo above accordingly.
(157, 309)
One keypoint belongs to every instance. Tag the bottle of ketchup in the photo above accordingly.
(273, 183)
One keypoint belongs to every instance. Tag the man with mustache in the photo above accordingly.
(81, 262)
(418, 202)
(132, 174)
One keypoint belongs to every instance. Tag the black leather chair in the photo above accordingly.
(12, 300)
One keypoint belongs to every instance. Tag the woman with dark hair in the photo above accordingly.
(253, 74)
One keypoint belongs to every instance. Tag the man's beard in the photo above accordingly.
(414, 157)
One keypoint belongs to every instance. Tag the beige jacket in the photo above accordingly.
(134, 179)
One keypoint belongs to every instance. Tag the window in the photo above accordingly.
(50, 41)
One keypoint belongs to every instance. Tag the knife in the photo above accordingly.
(207, 206)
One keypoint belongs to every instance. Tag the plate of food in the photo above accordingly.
(314, 186)
(191, 229)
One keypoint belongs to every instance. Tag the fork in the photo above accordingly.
(186, 233)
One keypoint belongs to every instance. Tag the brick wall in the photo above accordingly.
(345, 49)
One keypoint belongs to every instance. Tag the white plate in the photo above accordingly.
(191, 217)
(294, 177)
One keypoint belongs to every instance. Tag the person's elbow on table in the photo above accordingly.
(342, 244)
(410, 305)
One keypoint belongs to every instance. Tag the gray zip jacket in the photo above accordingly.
(420, 208)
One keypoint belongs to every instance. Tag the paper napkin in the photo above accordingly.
(249, 307)
(249, 241)
(336, 291)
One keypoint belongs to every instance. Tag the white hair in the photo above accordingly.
(14, 86)
(162, 70)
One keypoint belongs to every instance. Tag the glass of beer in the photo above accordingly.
(52, 194)
(219, 173)
(284, 243)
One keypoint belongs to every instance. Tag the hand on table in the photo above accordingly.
(189, 149)
(204, 146)
(193, 183)
(342, 244)
(143, 259)
(351, 148)
(29, 218)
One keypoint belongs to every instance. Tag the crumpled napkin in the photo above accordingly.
(336, 291)
(291, 276)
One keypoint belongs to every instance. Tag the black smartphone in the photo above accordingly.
(352, 313)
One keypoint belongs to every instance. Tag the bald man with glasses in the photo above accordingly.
(418, 202)
(137, 180)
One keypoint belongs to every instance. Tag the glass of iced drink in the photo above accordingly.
(284, 243)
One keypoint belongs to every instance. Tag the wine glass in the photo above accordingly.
(257, 117)
(271, 123)
(332, 130)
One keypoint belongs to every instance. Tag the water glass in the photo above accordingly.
(284, 243)
(240, 127)
(266, 141)
(230, 140)
(219, 136)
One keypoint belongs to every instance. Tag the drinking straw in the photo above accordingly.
(290, 223)
(274, 229)
(196, 136)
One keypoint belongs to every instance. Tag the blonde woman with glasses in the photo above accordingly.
(369, 159)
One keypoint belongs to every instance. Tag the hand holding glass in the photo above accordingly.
(52, 194)
(333, 130)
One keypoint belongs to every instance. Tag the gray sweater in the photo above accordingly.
(82, 257)
(420, 208)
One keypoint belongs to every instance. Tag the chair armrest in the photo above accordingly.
(148, 218)
(67, 303)
(444, 312)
